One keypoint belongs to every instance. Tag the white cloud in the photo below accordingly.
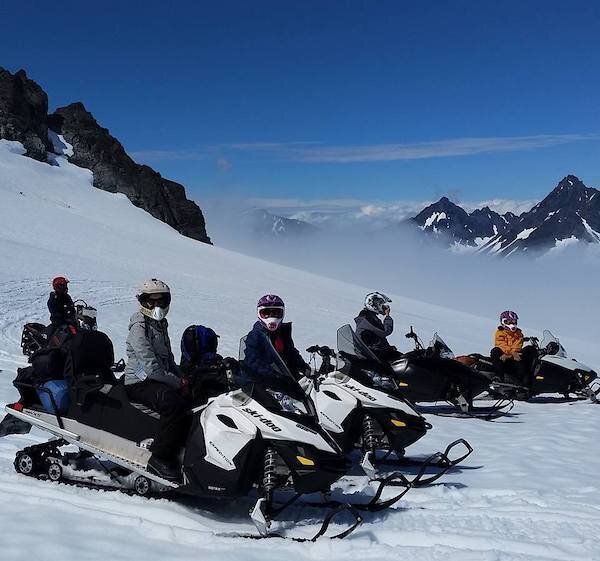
(319, 152)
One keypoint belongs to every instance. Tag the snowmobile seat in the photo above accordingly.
(108, 408)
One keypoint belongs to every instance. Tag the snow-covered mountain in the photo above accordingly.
(452, 223)
(569, 214)
(262, 223)
(528, 491)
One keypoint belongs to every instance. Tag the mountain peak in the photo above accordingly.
(570, 182)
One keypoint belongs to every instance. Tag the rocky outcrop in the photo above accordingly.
(569, 214)
(96, 149)
(23, 110)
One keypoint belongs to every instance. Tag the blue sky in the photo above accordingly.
(306, 99)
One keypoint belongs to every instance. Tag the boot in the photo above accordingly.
(166, 469)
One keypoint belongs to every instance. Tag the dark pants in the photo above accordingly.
(518, 372)
(171, 406)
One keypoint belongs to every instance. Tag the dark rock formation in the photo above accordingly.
(94, 148)
(23, 110)
(570, 212)
(451, 223)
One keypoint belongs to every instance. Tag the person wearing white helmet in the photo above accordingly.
(152, 377)
(371, 330)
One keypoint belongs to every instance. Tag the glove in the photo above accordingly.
(516, 356)
(184, 386)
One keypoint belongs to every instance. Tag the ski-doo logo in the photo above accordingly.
(262, 419)
(360, 392)
(219, 452)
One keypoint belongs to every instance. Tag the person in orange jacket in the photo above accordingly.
(512, 361)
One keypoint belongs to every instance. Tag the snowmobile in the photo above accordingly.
(258, 438)
(359, 403)
(553, 372)
(34, 336)
(431, 374)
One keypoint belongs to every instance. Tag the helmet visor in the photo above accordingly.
(271, 313)
(151, 301)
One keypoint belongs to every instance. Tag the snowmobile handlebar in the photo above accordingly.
(322, 351)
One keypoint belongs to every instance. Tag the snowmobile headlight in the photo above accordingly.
(305, 461)
(398, 423)
(289, 404)
(380, 381)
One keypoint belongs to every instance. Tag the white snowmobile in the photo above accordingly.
(256, 438)
(553, 372)
(361, 406)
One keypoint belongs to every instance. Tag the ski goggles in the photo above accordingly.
(271, 313)
(157, 300)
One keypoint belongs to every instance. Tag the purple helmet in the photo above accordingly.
(270, 310)
(509, 320)
(270, 300)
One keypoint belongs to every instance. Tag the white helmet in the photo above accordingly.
(154, 297)
(376, 302)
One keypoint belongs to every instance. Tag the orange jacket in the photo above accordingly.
(509, 341)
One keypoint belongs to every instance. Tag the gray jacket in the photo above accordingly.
(149, 354)
(373, 332)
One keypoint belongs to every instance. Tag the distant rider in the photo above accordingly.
(269, 339)
(60, 304)
(372, 331)
(511, 360)
(153, 379)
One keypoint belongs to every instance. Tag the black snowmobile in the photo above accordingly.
(34, 336)
(431, 374)
(552, 373)
(258, 438)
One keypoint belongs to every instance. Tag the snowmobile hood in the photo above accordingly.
(567, 363)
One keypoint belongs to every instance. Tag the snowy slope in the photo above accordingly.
(528, 492)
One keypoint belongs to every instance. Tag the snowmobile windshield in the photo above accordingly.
(279, 383)
(349, 344)
(552, 345)
(439, 347)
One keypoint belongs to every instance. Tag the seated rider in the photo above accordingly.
(152, 378)
(271, 337)
(372, 331)
(512, 362)
(201, 363)
(61, 307)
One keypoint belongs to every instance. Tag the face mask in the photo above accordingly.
(510, 326)
(271, 323)
(159, 313)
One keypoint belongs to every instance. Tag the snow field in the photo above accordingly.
(529, 491)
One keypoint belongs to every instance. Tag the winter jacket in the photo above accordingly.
(149, 352)
(373, 332)
(508, 341)
(61, 308)
(263, 346)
